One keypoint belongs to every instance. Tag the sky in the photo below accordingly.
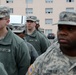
(17, 19)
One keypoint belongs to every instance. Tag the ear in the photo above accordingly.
(8, 21)
(35, 24)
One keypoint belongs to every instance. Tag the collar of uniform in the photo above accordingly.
(33, 35)
(72, 64)
(7, 39)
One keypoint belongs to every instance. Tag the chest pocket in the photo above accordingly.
(5, 55)
(34, 41)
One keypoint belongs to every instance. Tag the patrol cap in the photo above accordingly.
(17, 31)
(68, 18)
(32, 18)
(37, 21)
(4, 11)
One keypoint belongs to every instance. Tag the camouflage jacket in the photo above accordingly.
(52, 62)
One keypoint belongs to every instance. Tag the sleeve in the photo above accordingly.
(2, 70)
(36, 67)
(34, 54)
(44, 44)
(23, 59)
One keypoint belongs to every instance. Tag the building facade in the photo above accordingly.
(47, 11)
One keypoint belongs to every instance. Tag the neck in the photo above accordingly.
(69, 52)
(3, 33)
(30, 31)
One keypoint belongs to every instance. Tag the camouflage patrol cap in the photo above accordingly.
(17, 31)
(18, 28)
(68, 18)
(4, 11)
(32, 18)
(37, 21)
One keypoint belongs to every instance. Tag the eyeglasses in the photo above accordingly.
(30, 21)
(1, 18)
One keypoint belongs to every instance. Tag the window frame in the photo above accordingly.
(9, 1)
(48, 21)
(28, 10)
(70, 9)
(47, 31)
(69, 0)
(48, 10)
(29, 1)
(11, 10)
(49, 1)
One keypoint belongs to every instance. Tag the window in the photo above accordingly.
(29, 10)
(9, 1)
(11, 10)
(48, 21)
(47, 31)
(49, 1)
(69, 0)
(70, 9)
(29, 1)
(48, 10)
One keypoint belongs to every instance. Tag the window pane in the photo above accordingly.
(29, 10)
(48, 10)
(70, 9)
(48, 21)
(69, 0)
(9, 1)
(48, 1)
(29, 1)
(11, 10)
(48, 31)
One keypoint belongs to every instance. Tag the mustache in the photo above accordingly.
(62, 38)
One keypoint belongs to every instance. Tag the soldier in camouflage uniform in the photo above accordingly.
(34, 37)
(60, 58)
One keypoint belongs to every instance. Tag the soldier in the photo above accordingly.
(35, 37)
(32, 50)
(37, 25)
(13, 50)
(60, 58)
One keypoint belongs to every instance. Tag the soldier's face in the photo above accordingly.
(30, 25)
(67, 36)
(3, 23)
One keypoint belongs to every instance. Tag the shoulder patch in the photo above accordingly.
(30, 70)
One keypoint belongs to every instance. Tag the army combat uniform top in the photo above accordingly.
(14, 54)
(48, 41)
(32, 51)
(38, 41)
(2, 70)
(53, 62)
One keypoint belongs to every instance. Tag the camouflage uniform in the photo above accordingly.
(53, 62)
